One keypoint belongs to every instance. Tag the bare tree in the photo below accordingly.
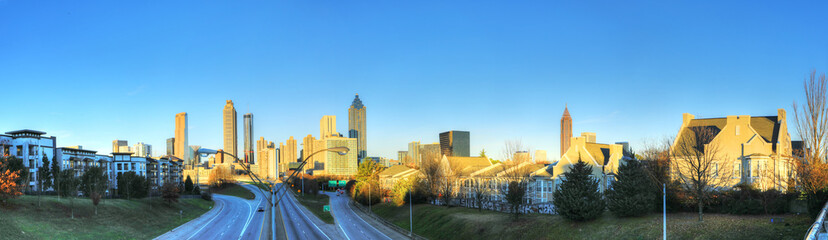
(516, 173)
(449, 178)
(699, 164)
(479, 191)
(430, 168)
(812, 124)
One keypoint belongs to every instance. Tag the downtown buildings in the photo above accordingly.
(356, 127)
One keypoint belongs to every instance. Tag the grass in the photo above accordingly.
(21, 218)
(234, 190)
(439, 222)
(315, 204)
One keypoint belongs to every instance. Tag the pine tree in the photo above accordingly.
(188, 185)
(44, 177)
(631, 194)
(578, 198)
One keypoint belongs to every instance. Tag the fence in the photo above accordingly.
(819, 230)
(542, 208)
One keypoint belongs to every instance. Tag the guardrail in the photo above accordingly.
(819, 230)
(387, 223)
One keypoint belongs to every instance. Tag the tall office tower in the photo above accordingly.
(454, 143)
(308, 148)
(195, 158)
(430, 152)
(327, 126)
(287, 154)
(401, 157)
(120, 146)
(230, 128)
(248, 139)
(142, 150)
(282, 164)
(414, 153)
(181, 145)
(356, 126)
(566, 130)
(170, 146)
(265, 149)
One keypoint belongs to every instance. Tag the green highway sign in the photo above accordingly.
(326, 208)
(342, 183)
(332, 183)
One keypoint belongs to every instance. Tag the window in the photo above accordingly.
(715, 170)
(19, 151)
(737, 130)
(737, 170)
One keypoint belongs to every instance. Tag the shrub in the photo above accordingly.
(206, 195)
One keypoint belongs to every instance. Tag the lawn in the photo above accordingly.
(315, 204)
(234, 190)
(437, 222)
(116, 219)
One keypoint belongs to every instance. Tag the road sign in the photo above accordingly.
(326, 208)
(332, 183)
(342, 183)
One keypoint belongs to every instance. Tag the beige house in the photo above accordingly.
(754, 150)
(604, 159)
(390, 176)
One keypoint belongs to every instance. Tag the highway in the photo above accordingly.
(350, 223)
(231, 218)
(298, 224)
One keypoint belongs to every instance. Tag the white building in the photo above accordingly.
(31, 146)
(142, 149)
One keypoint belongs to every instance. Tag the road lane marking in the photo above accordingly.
(211, 220)
(366, 223)
(306, 217)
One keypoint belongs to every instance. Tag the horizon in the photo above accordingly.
(90, 73)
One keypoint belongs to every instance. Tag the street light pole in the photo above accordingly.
(411, 212)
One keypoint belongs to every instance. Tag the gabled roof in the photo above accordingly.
(599, 151)
(489, 171)
(767, 127)
(393, 170)
(463, 162)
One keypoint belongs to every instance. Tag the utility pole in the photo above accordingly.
(411, 213)
(664, 209)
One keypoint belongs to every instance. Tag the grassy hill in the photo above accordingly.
(21, 218)
(232, 189)
(437, 222)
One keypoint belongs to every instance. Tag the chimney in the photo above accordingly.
(686, 117)
(781, 115)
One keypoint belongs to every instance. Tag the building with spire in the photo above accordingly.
(356, 126)
(566, 130)
(248, 139)
(230, 127)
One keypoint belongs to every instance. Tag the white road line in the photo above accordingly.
(211, 220)
(249, 217)
(311, 222)
(366, 223)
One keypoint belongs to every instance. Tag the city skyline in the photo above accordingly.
(639, 56)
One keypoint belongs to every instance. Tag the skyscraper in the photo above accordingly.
(142, 150)
(356, 126)
(327, 126)
(287, 154)
(266, 150)
(414, 153)
(566, 130)
(248, 138)
(171, 146)
(336, 164)
(308, 148)
(181, 145)
(230, 128)
(454, 143)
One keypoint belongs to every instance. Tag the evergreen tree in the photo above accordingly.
(188, 185)
(56, 175)
(578, 198)
(44, 177)
(631, 194)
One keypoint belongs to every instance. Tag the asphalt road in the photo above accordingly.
(297, 223)
(350, 223)
(232, 218)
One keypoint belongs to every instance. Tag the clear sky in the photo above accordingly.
(92, 72)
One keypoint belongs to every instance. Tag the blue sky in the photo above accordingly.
(92, 72)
